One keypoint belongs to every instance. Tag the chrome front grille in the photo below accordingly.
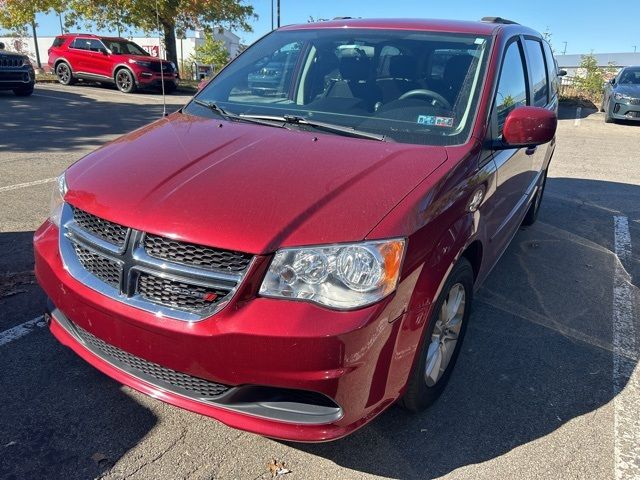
(107, 231)
(163, 276)
(195, 255)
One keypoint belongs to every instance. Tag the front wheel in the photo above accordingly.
(125, 81)
(442, 341)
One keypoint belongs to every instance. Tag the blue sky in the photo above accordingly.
(585, 25)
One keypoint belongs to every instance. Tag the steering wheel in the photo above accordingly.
(430, 94)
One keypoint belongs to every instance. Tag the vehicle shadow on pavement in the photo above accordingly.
(59, 417)
(55, 120)
(538, 351)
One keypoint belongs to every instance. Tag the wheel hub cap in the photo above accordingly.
(445, 334)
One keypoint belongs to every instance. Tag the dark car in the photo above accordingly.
(16, 73)
(293, 264)
(621, 100)
(110, 60)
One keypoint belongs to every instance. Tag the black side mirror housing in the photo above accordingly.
(562, 73)
(612, 81)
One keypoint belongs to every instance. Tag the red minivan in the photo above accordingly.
(111, 60)
(293, 262)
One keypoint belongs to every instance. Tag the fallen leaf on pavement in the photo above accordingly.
(277, 469)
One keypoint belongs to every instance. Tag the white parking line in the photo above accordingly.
(626, 373)
(55, 98)
(27, 184)
(578, 115)
(20, 330)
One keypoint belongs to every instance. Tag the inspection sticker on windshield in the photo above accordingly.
(444, 122)
(426, 120)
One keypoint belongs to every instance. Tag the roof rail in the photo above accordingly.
(498, 20)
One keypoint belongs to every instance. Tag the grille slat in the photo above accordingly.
(105, 269)
(138, 366)
(195, 255)
(103, 229)
(181, 295)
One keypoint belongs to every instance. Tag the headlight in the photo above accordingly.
(337, 276)
(57, 200)
(621, 96)
(141, 63)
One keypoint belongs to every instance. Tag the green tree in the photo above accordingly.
(591, 84)
(211, 52)
(173, 16)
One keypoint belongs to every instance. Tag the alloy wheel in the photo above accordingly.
(124, 80)
(64, 73)
(445, 334)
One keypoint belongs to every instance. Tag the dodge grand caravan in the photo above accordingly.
(292, 264)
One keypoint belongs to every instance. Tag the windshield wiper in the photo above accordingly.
(328, 127)
(214, 107)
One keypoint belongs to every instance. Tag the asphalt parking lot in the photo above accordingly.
(547, 384)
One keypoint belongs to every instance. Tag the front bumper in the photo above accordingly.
(16, 78)
(153, 79)
(352, 359)
(625, 110)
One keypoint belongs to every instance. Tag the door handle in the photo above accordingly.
(531, 150)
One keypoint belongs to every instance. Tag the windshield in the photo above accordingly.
(123, 47)
(630, 76)
(411, 87)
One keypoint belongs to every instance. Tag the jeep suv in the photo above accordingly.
(292, 264)
(110, 60)
(16, 73)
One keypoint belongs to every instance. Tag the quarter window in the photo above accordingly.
(512, 87)
(538, 69)
(552, 70)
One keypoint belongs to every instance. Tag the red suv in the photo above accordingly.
(109, 60)
(293, 263)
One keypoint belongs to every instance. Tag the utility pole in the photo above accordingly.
(634, 49)
(564, 52)
(278, 13)
(61, 28)
(271, 14)
(35, 42)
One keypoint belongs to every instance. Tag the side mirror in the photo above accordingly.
(562, 73)
(528, 127)
(1, 45)
(613, 81)
(104, 51)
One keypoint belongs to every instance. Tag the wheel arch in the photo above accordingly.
(119, 67)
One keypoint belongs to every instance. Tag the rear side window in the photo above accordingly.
(512, 87)
(58, 41)
(538, 69)
(90, 44)
(552, 70)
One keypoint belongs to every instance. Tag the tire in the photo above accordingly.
(532, 214)
(125, 81)
(169, 87)
(607, 117)
(423, 390)
(64, 73)
(23, 92)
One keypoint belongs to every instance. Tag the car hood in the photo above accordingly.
(142, 58)
(631, 90)
(247, 187)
